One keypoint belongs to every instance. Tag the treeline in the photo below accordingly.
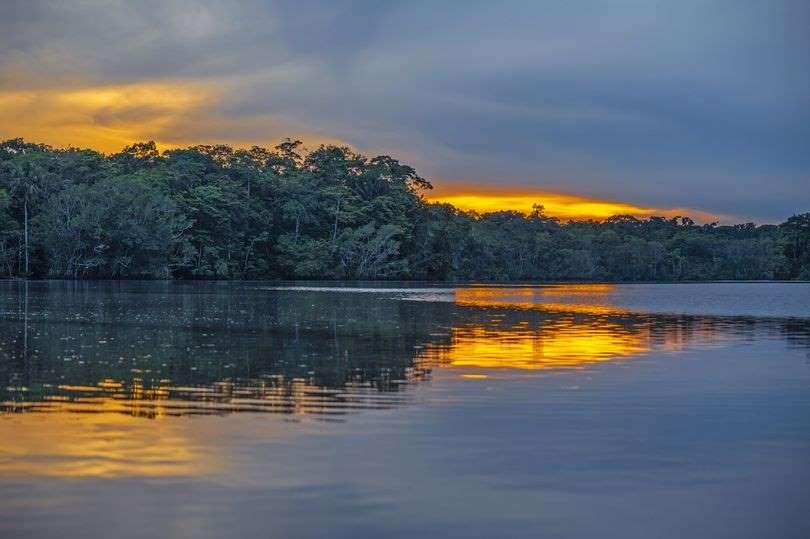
(219, 212)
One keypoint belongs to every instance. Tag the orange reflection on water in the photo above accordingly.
(112, 429)
(579, 298)
(101, 442)
(507, 339)
(563, 344)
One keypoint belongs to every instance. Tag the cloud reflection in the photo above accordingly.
(104, 443)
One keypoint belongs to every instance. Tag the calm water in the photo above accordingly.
(257, 410)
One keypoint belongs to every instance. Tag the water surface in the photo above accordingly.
(351, 410)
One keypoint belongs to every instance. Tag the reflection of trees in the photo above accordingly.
(224, 350)
(147, 351)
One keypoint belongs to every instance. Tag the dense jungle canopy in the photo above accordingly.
(225, 213)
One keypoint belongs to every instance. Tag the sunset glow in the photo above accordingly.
(371, 269)
(66, 442)
(104, 118)
(563, 345)
(107, 118)
(560, 205)
(579, 298)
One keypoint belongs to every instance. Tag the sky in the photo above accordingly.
(639, 106)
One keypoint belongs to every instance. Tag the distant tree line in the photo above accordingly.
(224, 213)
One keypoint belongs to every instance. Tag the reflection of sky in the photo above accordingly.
(559, 345)
(726, 299)
(702, 445)
(584, 298)
(691, 441)
(559, 342)
(102, 442)
(114, 428)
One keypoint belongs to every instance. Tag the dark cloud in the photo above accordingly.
(693, 104)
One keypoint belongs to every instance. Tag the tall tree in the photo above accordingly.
(796, 238)
(27, 174)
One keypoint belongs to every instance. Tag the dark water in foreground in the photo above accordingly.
(253, 410)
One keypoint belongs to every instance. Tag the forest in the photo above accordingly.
(217, 212)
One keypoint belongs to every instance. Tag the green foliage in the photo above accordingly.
(796, 246)
(371, 252)
(118, 227)
(225, 213)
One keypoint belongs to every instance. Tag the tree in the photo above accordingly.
(796, 241)
(8, 233)
(27, 174)
(371, 252)
(213, 211)
(119, 227)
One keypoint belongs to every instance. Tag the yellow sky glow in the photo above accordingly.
(174, 113)
(560, 205)
(107, 118)
(104, 118)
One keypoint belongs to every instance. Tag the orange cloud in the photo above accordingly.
(561, 205)
(103, 117)
(109, 117)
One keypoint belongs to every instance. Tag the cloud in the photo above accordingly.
(697, 105)
(175, 113)
(106, 118)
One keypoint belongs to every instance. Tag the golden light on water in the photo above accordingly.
(562, 345)
(112, 429)
(580, 298)
(95, 439)
(122, 428)
(554, 343)
(588, 327)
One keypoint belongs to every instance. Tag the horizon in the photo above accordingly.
(660, 108)
(483, 199)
